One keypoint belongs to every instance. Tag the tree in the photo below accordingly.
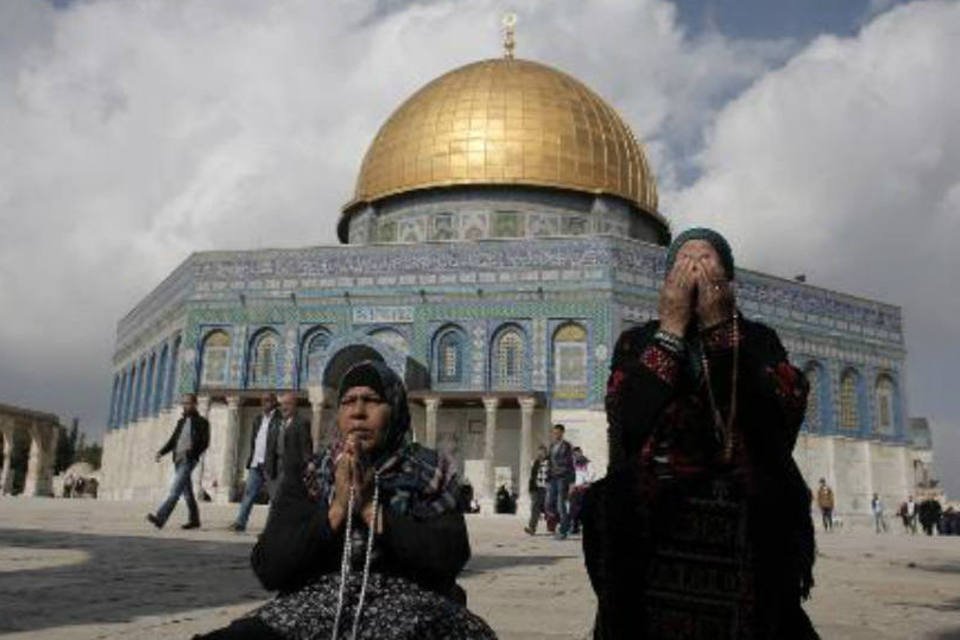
(66, 447)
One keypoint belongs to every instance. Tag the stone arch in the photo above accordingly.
(158, 391)
(392, 337)
(313, 351)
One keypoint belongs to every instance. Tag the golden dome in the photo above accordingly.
(506, 122)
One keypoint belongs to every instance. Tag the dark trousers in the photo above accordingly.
(557, 503)
(181, 485)
(827, 518)
(537, 499)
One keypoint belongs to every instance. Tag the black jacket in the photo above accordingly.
(297, 446)
(532, 485)
(297, 545)
(273, 431)
(199, 437)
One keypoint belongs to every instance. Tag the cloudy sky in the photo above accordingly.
(822, 137)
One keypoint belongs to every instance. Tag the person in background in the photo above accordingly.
(560, 474)
(825, 502)
(189, 440)
(583, 478)
(294, 441)
(876, 507)
(261, 464)
(537, 486)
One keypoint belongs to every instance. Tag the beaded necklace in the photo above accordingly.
(724, 429)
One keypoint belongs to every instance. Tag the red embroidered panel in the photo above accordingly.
(661, 363)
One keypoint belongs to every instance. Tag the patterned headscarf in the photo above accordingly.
(413, 480)
(717, 241)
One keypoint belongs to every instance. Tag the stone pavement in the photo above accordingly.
(83, 569)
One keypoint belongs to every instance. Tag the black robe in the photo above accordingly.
(678, 542)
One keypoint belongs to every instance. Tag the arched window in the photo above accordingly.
(884, 399)
(158, 391)
(125, 399)
(570, 356)
(148, 387)
(449, 356)
(849, 415)
(172, 373)
(138, 391)
(214, 358)
(263, 363)
(508, 359)
(812, 420)
(393, 338)
(314, 350)
(114, 400)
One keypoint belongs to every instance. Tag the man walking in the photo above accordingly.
(561, 475)
(876, 506)
(189, 440)
(825, 502)
(262, 461)
(538, 489)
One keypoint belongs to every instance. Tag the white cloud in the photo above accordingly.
(136, 133)
(845, 165)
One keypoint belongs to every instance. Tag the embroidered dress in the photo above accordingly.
(702, 527)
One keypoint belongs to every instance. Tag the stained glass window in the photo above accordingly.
(216, 354)
(884, 395)
(509, 359)
(849, 416)
(812, 418)
(450, 357)
(263, 365)
(570, 355)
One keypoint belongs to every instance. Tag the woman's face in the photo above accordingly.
(363, 416)
(702, 254)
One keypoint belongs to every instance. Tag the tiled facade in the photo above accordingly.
(399, 300)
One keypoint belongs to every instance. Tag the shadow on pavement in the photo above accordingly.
(125, 577)
(479, 564)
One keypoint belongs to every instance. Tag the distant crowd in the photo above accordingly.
(929, 514)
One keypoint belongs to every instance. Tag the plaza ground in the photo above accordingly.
(84, 569)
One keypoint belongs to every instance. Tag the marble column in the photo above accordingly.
(431, 404)
(527, 405)
(6, 476)
(231, 443)
(489, 489)
(316, 396)
(203, 408)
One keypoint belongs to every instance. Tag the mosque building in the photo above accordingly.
(503, 232)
